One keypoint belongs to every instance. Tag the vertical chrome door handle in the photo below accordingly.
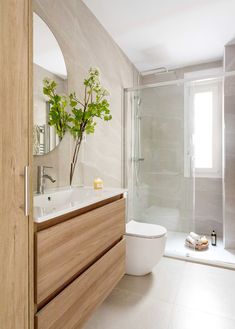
(26, 190)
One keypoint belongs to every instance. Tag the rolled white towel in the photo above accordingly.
(195, 236)
(193, 241)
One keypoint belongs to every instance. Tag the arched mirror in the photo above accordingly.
(48, 62)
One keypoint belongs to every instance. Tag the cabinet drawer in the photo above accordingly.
(72, 307)
(65, 250)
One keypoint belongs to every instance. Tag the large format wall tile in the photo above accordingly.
(229, 169)
(208, 205)
(85, 43)
(162, 146)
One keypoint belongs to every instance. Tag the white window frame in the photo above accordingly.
(215, 86)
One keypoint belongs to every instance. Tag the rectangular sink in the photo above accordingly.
(64, 200)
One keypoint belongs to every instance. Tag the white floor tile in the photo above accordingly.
(162, 284)
(208, 289)
(126, 310)
(177, 295)
(182, 318)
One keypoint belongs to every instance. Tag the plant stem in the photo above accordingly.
(79, 102)
(75, 158)
(79, 140)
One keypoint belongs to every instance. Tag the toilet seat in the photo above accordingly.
(144, 230)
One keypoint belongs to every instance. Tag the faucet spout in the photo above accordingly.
(41, 181)
(49, 177)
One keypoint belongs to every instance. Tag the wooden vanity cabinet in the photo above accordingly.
(71, 308)
(77, 264)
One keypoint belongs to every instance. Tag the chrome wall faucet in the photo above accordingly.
(41, 179)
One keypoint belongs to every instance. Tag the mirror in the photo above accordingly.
(48, 62)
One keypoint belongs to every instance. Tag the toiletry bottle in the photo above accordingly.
(98, 184)
(213, 238)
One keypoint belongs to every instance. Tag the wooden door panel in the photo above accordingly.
(14, 155)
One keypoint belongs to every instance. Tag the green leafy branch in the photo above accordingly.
(58, 116)
(84, 112)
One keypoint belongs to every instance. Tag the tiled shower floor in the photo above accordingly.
(213, 255)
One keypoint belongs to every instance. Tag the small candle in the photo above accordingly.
(98, 184)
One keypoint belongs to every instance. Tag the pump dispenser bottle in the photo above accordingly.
(213, 238)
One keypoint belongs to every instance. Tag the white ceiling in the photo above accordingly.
(171, 33)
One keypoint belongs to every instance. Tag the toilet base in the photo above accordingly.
(143, 254)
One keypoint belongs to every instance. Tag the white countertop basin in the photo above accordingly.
(61, 201)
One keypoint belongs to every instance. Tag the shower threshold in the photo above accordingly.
(214, 255)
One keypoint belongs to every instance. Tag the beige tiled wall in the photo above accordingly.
(163, 110)
(208, 205)
(162, 143)
(229, 148)
(85, 43)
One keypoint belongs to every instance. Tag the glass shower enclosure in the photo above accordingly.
(160, 123)
(174, 143)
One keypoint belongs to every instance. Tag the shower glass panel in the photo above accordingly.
(161, 187)
(178, 150)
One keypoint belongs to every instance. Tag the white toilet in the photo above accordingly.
(145, 245)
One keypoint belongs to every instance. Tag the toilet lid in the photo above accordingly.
(144, 230)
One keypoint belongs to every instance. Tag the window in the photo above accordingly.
(204, 108)
(203, 139)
